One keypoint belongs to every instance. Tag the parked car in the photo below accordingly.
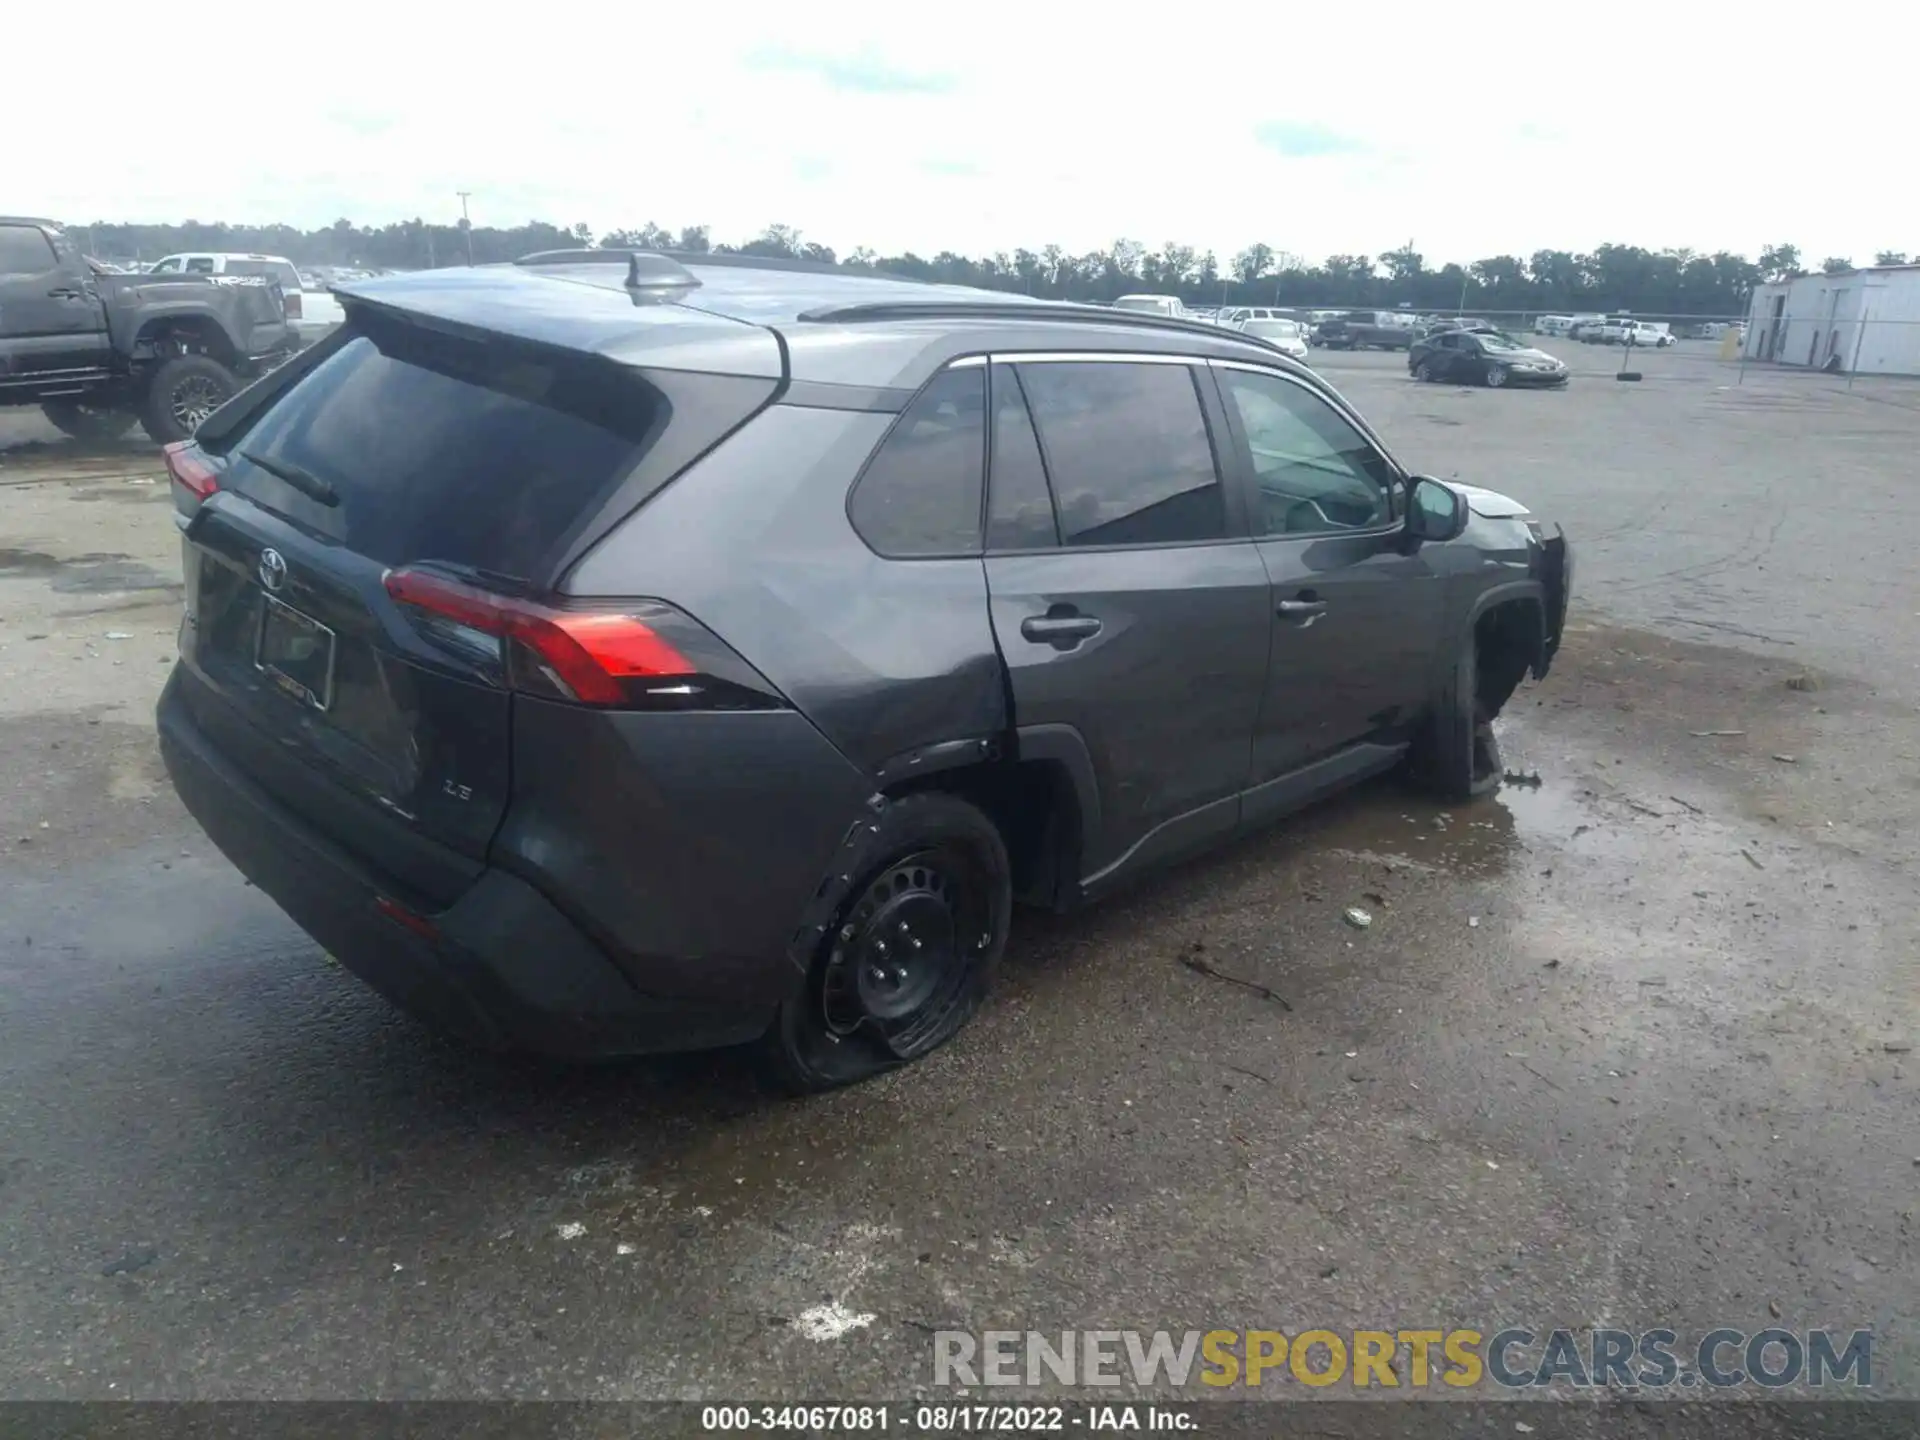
(1485, 357)
(1584, 326)
(312, 308)
(1619, 331)
(1438, 323)
(1170, 305)
(1239, 313)
(1289, 337)
(1236, 318)
(1552, 324)
(97, 350)
(1364, 329)
(868, 701)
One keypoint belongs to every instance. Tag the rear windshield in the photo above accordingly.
(481, 454)
(288, 277)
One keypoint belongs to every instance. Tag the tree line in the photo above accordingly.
(1608, 278)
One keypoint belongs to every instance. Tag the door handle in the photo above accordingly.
(1300, 609)
(64, 294)
(1064, 631)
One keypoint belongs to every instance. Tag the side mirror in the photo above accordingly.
(1435, 511)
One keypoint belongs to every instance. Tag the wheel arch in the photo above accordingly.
(1038, 788)
(165, 335)
(1508, 625)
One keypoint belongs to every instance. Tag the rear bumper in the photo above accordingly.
(501, 966)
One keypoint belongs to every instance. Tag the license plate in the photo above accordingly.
(295, 652)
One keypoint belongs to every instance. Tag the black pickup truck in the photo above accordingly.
(96, 351)
(1358, 329)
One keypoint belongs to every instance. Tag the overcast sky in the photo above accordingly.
(1471, 130)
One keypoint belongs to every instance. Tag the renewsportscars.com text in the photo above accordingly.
(1513, 1358)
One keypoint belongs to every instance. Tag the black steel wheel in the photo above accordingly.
(910, 956)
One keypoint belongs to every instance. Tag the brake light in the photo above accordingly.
(187, 465)
(588, 655)
(292, 297)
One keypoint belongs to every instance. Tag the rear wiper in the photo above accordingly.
(305, 481)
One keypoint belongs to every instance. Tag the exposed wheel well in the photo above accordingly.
(1033, 805)
(185, 335)
(1506, 643)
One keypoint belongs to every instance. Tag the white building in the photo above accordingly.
(1865, 322)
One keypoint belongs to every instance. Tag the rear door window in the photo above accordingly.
(24, 251)
(920, 493)
(484, 455)
(199, 265)
(1127, 448)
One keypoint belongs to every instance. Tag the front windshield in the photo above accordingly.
(1273, 329)
(1141, 302)
(1498, 340)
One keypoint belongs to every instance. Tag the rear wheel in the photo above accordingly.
(86, 422)
(910, 956)
(182, 392)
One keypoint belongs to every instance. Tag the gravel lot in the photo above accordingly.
(1627, 1048)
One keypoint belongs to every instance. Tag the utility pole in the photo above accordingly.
(466, 223)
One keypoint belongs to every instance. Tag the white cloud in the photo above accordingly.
(1503, 129)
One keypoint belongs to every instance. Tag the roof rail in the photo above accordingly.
(651, 277)
(733, 260)
(1043, 310)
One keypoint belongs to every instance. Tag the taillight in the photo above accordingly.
(640, 654)
(187, 465)
(292, 298)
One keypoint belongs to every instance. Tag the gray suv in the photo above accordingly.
(608, 653)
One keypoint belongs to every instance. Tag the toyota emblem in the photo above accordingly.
(273, 569)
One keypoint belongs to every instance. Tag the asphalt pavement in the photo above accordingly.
(1630, 1046)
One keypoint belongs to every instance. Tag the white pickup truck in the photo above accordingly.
(1632, 332)
(314, 313)
(1171, 305)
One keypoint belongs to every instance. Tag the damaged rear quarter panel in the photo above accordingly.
(884, 656)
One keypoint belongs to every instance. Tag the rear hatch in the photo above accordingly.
(341, 657)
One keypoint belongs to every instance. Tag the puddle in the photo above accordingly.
(1385, 822)
(126, 493)
(55, 451)
(85, 574)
